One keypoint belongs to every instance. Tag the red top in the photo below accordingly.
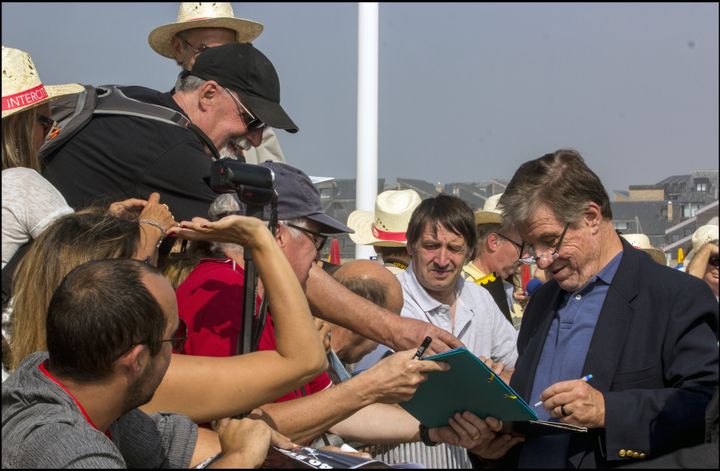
(210, 302)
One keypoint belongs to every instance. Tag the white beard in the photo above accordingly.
(234, 149)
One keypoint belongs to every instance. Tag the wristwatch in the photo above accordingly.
(425, 436)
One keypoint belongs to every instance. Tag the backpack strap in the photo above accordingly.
(111, 100)
(73, 112)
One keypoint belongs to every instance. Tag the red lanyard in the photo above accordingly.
(82, 409)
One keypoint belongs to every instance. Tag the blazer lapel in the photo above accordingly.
(613, 325)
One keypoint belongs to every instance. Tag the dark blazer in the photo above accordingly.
(653, 355)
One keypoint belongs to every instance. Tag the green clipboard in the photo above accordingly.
(470, 385)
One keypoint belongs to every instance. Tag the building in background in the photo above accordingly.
(668, 212)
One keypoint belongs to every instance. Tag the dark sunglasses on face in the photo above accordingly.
(47, 123)
(714, 261)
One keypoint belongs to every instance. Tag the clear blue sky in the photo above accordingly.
(467, 91)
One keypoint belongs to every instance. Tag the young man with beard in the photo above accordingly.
(111, 328)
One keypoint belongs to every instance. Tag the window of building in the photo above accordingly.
(701, 186)
(689, 210)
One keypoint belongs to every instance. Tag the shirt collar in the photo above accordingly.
(472, 270)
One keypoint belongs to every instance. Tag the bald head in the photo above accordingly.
(375, 283)
(372, 275)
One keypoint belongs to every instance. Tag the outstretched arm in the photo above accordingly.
(333, 302)
(392, 380)
(209, 388)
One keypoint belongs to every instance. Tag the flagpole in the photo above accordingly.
(367, 117)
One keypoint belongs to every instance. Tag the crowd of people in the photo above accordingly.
(149, 321)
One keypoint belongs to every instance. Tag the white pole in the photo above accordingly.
(367, 118)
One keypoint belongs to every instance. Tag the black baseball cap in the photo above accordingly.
(244, 69)
(298, 198)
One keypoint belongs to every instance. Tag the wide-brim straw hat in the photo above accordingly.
(642, 242)
(703, 235)
(22, 88)
(203, 15)
(490, 214)
(387, 225)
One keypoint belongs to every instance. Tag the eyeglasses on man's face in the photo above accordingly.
(195, 50)
(251, 122)
(548, 255)
(317, 238)
(47, 123)
(178, 339)
(516, 244)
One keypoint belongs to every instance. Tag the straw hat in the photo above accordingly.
(202, 15)
(642, 242)
(703, 235)
(490, 214)
(22, 88)
(387, 225)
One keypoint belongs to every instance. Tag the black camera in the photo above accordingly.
(252, 183)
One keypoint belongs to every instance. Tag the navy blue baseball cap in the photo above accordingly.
(298, 198)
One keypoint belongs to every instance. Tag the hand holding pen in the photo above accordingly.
(576, 402)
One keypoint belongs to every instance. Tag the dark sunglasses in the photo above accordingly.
(178, 339)
(714, 261)
(251, 122)
(47, 123)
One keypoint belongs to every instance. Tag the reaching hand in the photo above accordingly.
(234, 229)
(158, 212)
(411, 332)
(126, 208)
(396, 378)
(247, 441)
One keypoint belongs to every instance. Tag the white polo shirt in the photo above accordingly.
(479, 324)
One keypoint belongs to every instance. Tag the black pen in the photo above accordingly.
(421, 349)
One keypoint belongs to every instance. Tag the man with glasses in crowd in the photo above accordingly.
(496, 259)
(232, 92)
(210, 301)
(615, 342)
(112, 326)
(441, 238)
(203, 25)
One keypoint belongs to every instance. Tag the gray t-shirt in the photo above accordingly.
(42, 427)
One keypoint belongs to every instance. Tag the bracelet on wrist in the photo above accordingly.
(153, 222)
(425, 436)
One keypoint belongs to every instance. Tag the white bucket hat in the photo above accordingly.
(642, 242)
(203, 15)
(22, 88)
(387, 225)
(490, 214)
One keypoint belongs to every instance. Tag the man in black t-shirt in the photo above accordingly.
(233, 91)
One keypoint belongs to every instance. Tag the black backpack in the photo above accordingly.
(73, 112)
